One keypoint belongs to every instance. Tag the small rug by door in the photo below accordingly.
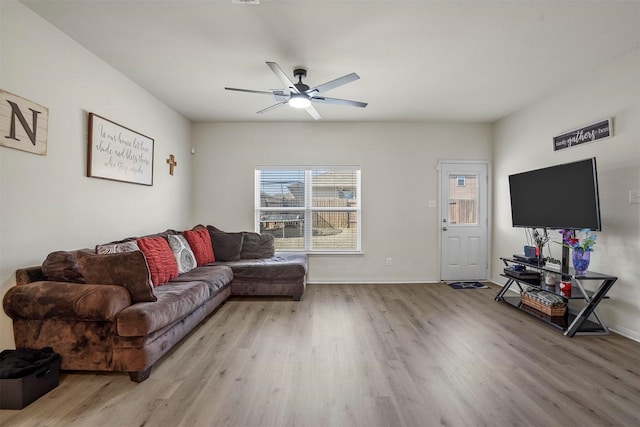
(467, 285)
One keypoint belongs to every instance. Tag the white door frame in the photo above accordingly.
(489, 211)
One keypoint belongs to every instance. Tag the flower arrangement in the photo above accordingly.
(569, 241)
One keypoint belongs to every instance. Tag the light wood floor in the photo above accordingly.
(363, 355)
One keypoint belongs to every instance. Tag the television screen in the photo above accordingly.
(561, 196)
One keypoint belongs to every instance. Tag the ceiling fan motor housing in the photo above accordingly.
(300, 73)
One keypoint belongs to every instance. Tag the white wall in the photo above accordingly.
(523, 142)
(398, 163)
(46, 202)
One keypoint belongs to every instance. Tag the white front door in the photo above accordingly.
(464, 243)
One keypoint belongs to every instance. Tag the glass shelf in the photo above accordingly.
(571, 274)
(561, 322)
(538, 284)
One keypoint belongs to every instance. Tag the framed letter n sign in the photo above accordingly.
(23, 124)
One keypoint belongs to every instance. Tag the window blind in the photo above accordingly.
(311, 209)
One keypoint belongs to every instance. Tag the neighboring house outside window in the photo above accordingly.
(463, 199)
(309, 209)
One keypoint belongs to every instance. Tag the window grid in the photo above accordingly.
(311, 209)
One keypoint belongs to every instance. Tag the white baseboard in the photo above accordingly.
(625, 332)
(369, 282)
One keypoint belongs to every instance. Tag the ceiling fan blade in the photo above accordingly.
(249, 90)
(282, 76)
(313, 112)
(336, 101)
(333, 84)
(280, 95)
(279, 104)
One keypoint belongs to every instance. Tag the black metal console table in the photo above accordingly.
(573, 323)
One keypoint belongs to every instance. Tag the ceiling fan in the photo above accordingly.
(300, 95)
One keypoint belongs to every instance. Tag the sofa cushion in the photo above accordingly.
(175, 301)
(182, 252)
(127, 269)
(226, 246)
(162, 265)
(62, 266)
(215, 276)
(116, 248)
(200, 243)
(65, 301)
(256, 245)
(280, 266)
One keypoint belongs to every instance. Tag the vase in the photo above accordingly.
(581, 259)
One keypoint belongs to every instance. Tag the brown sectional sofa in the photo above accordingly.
(97, 327)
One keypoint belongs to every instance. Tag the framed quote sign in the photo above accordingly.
(593, 132)
(118, 153)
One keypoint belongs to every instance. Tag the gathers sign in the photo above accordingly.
(602, 129)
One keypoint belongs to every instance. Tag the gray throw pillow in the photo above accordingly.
(226, 246)
(256, 245)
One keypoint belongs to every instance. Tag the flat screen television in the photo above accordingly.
(561, 196)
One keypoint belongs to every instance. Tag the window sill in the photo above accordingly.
(326, 252)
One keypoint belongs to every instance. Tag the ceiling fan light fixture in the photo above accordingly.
(299, 101)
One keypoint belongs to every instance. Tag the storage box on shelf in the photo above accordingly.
(544, 302)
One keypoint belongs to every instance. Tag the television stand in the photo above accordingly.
(571, 324)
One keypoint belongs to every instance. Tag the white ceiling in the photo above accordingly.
(417, 60)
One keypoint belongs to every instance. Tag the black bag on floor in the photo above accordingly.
(26, 374)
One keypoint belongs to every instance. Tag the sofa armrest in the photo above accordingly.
(65, 301)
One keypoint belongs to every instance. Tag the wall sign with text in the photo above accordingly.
(118, 153)
(600, 130)
(23, 124)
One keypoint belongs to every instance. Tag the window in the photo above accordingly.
(309, 209)
(463, 199)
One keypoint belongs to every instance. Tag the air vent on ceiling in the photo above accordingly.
(245, 1)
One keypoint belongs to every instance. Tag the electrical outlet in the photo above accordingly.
(389, 261)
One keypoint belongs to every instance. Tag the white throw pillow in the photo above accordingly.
(182, 252)
(117, 248)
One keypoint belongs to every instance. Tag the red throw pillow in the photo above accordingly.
(200, 243)
(162, 264)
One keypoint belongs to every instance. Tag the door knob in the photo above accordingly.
(444, 228)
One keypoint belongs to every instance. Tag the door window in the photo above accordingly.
(463, 200)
